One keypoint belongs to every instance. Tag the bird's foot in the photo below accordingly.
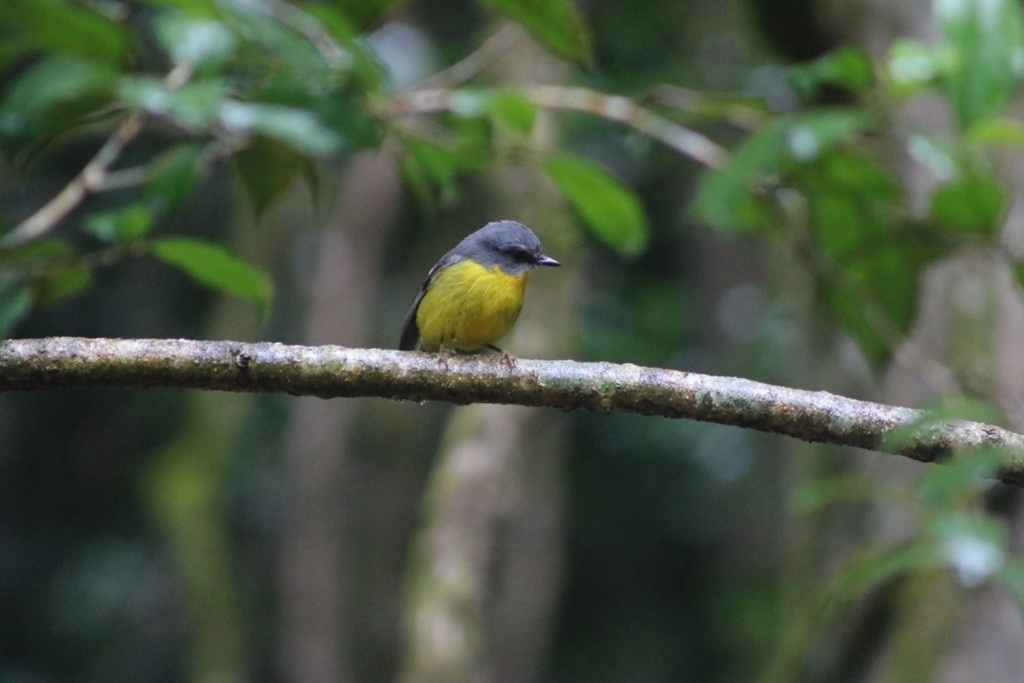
(443, 354)
(506, 357)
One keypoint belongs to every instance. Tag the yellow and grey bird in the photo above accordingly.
(473, 295)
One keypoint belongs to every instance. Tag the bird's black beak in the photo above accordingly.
(543, 260)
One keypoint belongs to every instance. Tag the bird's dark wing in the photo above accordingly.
(410, 330)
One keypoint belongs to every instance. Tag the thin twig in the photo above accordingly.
(88, 180)
(123, 179)
(624, 110)
(611, 107)
(475, 62)
(696, 103)
(93, 176)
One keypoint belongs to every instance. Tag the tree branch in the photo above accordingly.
(334, 371)
(616, 108)
(94, 175)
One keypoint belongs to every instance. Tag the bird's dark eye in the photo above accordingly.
(519, 254)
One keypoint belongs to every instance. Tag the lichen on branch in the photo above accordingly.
(334, 371)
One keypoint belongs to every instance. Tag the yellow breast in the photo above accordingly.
(469, 306)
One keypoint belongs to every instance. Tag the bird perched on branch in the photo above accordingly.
(473, 295)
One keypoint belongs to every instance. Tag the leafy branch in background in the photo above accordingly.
(824, 178)
(267, 89)
(95, 176)
(270, 88)
(825, 181)
(248, 83)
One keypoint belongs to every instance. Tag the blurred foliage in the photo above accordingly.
(825, 175)
(186, 110)
(612, 211)
(261, 87)
(555, 23)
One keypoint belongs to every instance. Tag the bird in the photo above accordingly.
(473, 294)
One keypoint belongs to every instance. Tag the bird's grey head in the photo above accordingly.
(508, 244)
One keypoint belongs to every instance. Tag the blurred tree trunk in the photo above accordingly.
(185, 491)
(488, 559)
(316, 563)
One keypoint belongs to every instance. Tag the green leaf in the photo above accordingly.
(912, 66)
(608, 208)
(431, 163)
(287, 104)
(973, 204)
(419, 183)
(16, 297)
(62, 283)
(870, 259)
(875, 297)
(727, 197)
(513, 109)
(52, 94)
(809, 135)
(269, 44)
(196, 8)
(1018, 272)
(431, 168)
(986, 38)
(471, 143)
(341, 21)
(215, 267)
(960, 479)
(366, 13)
(32, 253)
(144, 92)
(555, 23)
(188, 39)
(846, 67)
(173, 175)
(120, 225)
(266, 169)
(195, 106)
(63, 27)
(297, 128)
(997, 132)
